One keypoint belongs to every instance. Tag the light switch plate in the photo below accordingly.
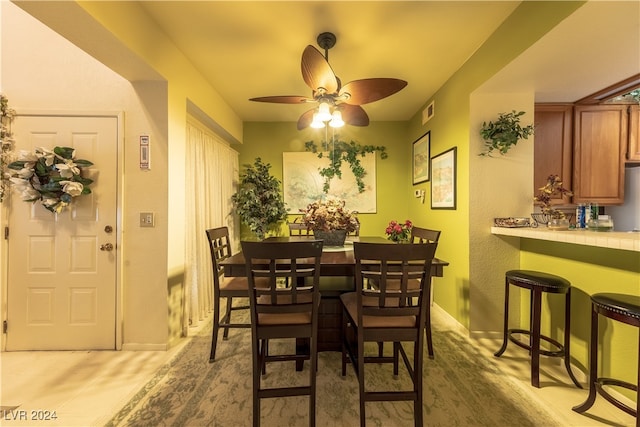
(147, 219)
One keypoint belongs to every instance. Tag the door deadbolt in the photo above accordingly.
(106, 247)
(108, 229)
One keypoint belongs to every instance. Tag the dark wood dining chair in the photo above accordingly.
(297, 228)
(424, 235)
(224, 287)
(387, 314)
(285, 309)
(421, 235)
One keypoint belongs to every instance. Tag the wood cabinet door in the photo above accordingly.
(553, 147)
(633, 152)
(600, 145)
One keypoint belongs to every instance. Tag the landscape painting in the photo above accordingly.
(303, 183)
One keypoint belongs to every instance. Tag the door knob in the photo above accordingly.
(106, 247)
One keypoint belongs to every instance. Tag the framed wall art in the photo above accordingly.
(421, 153)
(302, 183)
(443, 180)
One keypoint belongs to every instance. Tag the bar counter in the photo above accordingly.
(628, 241)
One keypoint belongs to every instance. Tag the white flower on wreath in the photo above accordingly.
(26, 190)
(71, 187)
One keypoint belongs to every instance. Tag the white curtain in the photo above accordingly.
(212, 176)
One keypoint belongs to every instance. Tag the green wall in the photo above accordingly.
(268, 140)
(451, 127)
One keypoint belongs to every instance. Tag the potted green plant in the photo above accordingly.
(258, 201)
(504, 133)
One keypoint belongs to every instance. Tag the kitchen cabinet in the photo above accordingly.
(633, 152)
(600, 141)
(553, 147)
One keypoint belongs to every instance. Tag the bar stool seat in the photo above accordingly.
(623, 308)
(538, 282)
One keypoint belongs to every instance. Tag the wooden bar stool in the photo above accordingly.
(538, 282)
(625, 309)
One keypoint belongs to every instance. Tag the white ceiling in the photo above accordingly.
(595, 47)
(250, 49)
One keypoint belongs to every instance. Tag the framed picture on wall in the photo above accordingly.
(421, 153)
(443, 180)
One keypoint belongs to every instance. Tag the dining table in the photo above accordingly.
(337, 271)
(335, 261)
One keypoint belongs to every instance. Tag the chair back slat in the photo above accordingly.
(293, 273)
(220, 249)
(297, 228)
(424, 235)
(398, 264)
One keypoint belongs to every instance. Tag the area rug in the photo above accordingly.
(462, 387)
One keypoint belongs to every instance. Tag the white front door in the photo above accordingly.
(61, 284)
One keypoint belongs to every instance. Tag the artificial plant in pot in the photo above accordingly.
(550, 215)
(504, 133)
(258, 201)
(330, 220)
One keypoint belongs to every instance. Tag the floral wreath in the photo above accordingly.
(52, 177)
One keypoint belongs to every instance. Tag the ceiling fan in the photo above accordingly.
(337, 104)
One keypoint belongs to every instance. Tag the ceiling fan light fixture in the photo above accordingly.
(324, 113)
(316, 123)
(329, 93)
(336, 120)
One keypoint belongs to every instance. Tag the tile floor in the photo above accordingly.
(85, 388)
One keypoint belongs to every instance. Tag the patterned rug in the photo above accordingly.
(462, 387)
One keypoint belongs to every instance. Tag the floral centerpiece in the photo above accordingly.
(327, 216)
(399, 232)
(52, 177)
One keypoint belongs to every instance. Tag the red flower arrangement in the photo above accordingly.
(398, 232)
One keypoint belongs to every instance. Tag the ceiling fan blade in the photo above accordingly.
(317, 72)
(286, 99)
(370, 90)
(305, 119)
(353, 115)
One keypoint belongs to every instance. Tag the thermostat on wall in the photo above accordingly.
(145, 152)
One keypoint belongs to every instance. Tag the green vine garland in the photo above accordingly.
(340, 151)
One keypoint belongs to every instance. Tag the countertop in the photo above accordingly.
(627, 241)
